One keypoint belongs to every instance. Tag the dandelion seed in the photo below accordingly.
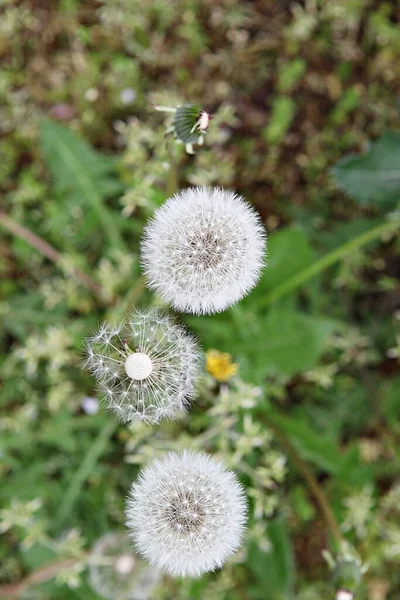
(147, 368)
(186, 514)
(204, 250)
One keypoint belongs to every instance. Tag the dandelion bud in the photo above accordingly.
(347, 576)
(186, 514)
(204, 250)
(348, 571)
(147, 368)
(189, 125)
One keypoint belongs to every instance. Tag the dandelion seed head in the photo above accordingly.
(116, 573)
(124, 564)
(344, 595)
(147, 368)
(186, 514)
(204, 250)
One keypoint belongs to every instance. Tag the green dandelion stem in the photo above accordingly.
(328, 260)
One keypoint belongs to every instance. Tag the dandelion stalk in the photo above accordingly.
(172, 181)
(48, 251)
(309, 478)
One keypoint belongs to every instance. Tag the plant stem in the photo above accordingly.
(309, 478)
(329, 259)
(125, 306)
(15, 590)
(172, 182)
(47, 250)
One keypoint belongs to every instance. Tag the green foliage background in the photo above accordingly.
(305, 126)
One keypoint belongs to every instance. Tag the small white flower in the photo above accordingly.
(116, 573)
(147, 368)
(90, 405)
(128, 96)
(186, 513)
(203, 250)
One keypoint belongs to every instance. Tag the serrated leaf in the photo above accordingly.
(323, 450)
(289, 251)
(290, 342)
(81, 174)
(320, 449)
(282, 341)
(372, 178)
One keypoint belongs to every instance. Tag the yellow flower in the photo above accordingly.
(220, 365)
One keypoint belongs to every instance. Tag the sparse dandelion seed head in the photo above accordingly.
(147, 369)
(204, 250)
(186, 514)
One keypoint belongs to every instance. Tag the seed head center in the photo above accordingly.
(184, 514)
(124, 564)
(138, 366)
(205, 249)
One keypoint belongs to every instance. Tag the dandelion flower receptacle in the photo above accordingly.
(186, 514)
(147, 368)
(204, 250)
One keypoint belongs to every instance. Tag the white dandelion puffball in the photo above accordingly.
(203, 250)
(147, 368)
(116, 573)
(186, 514)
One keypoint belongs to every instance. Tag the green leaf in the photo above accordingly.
(324, 451)
(274, 571)
(290, 73)
(289, 342)
(82, 175)
(282, 114)
(372, 178)
(349, 102)
(289, 251)
(282, 341)
(390, 404)
(321, 450)
(37, 556)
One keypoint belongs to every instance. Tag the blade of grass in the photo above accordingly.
(87, 465)
(77, 167)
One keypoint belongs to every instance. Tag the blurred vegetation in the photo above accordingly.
(309, 421)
